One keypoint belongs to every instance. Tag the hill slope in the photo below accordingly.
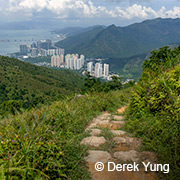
(77, 42)
(122, 42)
(45, 143)
(25, 82)
(154, 108)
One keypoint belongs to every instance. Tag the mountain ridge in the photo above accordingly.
(126, 41)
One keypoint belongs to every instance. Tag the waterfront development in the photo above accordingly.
(25, 44)
(10, 40)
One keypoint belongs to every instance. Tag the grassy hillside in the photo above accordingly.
(28, 83)
(154, 112)
(45, 143)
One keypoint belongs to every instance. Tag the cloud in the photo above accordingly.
(33, 4)
(135, 11)
(133, 1)
(64, 9)
(174, 13)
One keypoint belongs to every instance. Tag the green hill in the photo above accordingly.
(28, 83)
(120, 42)
(125, 48)
(130, 67)
(78, 42)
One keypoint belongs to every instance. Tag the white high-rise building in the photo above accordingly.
(67, 60)
(34, 52)
(56, 61)
(75, 63)
(51, 52)
(68, 63)
(82, 57)
(59, 51)
(90, 67)
(75, 56)
(53, 61)
(79, 64)
(106, 70)
(98, 70)
(71, 66)
(62, 58)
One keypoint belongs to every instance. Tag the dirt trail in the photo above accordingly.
(125, 150)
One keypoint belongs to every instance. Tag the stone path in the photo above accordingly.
(124, 150)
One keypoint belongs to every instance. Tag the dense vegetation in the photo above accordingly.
(154, 111)
(26, 85)
(42, 59)
(92, 84)
(130, 67)
(45, 143)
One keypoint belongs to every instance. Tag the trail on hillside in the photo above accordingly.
(119, 148)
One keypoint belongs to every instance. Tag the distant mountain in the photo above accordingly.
(70, 31)
(26, 82)
(121, 42)
(78, 42)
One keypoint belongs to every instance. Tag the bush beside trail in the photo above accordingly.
(154, 111)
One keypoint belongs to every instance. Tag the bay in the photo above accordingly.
(11, 39)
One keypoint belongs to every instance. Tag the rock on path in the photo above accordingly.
(118, 132)
(98, 156)
(124, 156)
(95, 132)
(93, 141)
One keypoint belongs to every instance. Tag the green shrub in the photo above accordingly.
(154, 111)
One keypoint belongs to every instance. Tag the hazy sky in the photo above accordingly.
(88, 12)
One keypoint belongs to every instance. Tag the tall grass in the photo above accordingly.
(45, 143)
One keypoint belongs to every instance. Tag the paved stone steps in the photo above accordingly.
(125, 150)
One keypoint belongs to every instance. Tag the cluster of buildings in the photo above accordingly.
(59, 59)
(41, 48)
(71, 61)
(98, 70)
